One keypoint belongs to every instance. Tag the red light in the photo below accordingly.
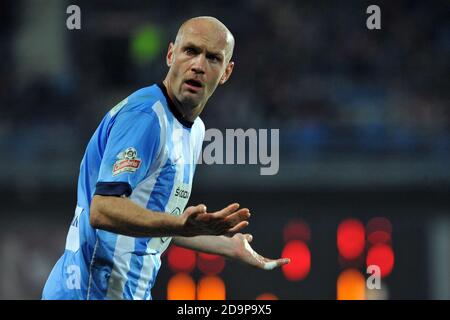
(379, 230)
(267, 296)
(377, 237)
(350, 239)
(381, 255)
(210, 264)
(296, 230)
(181, 259)
(300, 257)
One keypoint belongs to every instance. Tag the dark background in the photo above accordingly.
(364, 119)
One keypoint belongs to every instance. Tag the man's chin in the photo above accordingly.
(190, 102)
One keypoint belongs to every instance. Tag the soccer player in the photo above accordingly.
(136, 177)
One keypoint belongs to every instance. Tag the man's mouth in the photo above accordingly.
(193, 84)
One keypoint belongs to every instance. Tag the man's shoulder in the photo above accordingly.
(141, 100)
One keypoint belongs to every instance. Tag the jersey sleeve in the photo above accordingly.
(131, 149)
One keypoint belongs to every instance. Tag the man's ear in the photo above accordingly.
(228, 70)
(169, 56)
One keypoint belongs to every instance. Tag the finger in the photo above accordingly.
(249, 237)
(238, 216)
(201, 208)
(270, 265)
(283, 261)
(241, 225)
(227, 211)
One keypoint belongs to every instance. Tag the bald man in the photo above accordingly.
(136, 176)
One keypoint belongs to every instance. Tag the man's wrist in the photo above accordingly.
(177, 225)
(229, 250)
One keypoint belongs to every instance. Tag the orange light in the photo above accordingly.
(351, 285)
(350, 239)
(210, 264)
(181, 259)
(181, 287)
(381, 255)
(267, 296)
(300, 257)
(296, 229)
(211, 288)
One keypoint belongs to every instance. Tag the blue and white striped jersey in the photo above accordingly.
(142, 149)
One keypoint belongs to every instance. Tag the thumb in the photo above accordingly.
(249, 237)
(194, 210)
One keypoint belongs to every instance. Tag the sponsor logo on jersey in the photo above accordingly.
(181, 193)
(127, 161)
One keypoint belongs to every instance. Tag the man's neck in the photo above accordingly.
(188, 113)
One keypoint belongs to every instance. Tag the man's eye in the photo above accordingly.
(189, 51)
(213, 58)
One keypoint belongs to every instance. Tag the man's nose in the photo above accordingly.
(199, 64)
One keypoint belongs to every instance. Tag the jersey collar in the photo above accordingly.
(177, 114)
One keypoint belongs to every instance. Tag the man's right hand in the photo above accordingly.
(228, 221)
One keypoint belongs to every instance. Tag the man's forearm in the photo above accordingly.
(121, 215)
(221, 245)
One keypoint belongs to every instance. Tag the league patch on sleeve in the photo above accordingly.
(127, 161)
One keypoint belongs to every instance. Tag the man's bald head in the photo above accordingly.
(199, 60)
(211, 24)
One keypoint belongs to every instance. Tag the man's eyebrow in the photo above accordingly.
(193, 46)
(216, 54)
